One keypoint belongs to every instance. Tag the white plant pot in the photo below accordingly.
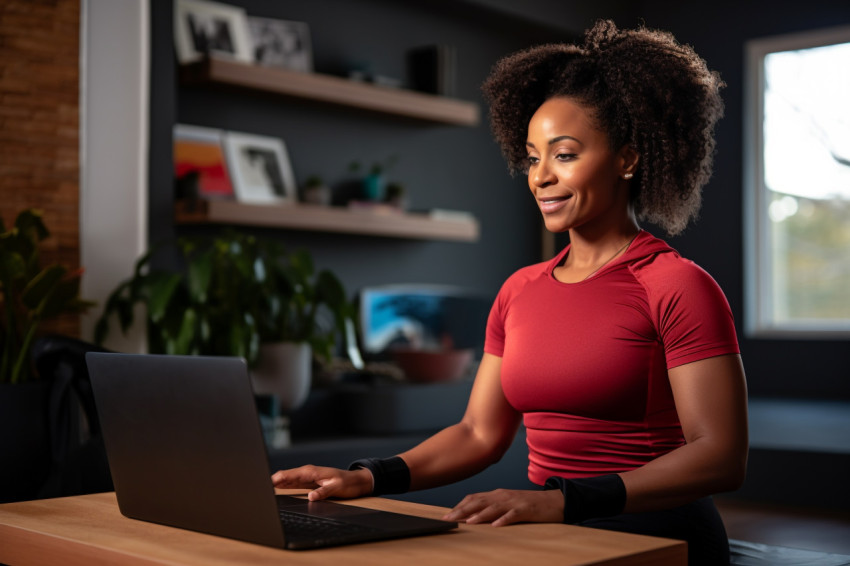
(284, 370)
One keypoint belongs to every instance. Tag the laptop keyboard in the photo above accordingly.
(297, 525)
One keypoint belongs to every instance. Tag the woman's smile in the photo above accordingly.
(551, 204)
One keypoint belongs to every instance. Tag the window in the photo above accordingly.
(797, 185)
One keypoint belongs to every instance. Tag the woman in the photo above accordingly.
(619, 356)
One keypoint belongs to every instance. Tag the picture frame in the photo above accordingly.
(260, 168)
(203, 28)
(281, 43)
(200, 166)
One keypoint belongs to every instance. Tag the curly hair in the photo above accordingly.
(641, 87)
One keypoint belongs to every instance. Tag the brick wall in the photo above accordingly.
(39, 123)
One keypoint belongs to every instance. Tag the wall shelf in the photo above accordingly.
(333, 90)
(379, 222)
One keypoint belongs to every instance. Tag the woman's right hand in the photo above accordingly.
(325, 482)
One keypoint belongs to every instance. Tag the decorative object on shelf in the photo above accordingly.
(30, 294)
(260, 168)
(362, 72)
(373, 181)
(431, 366)
(395, 196)
(200, 167)
(281, 43)
(315, 191)
(373, 187)
(433, 69)
(231, 293)
(203, 28)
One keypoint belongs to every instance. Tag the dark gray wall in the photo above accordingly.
(460, 168)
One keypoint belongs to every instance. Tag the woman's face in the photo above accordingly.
(573, 173)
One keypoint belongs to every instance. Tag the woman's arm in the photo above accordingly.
(480, 439)
(711, 400)
(457, 452)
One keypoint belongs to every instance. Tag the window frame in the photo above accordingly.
(759, 321)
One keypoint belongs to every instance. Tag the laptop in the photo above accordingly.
(186, 449)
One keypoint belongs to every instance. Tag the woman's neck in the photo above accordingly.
(589, 253)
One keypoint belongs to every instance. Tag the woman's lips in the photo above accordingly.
(553, 204)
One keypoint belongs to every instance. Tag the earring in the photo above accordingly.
(628, 176)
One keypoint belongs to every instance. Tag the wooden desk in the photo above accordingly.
(88, 529)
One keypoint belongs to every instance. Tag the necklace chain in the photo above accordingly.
(607, 261)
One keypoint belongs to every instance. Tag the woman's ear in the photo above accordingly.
(628, 161)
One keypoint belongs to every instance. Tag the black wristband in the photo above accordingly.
(586, 498)
(391, 474)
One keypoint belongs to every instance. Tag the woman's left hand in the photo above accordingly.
(505, 506)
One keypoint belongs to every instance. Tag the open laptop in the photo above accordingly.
(186, 449)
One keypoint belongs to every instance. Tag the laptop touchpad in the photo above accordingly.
(320, 508)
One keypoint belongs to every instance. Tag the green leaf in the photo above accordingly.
(200, 275)
(329, 290)
(302, 264)
(12, 266)
(64, 297)
(204, 329)
(141, 264)
(236, 344)
(186, 335)
(39, 289)
(162, 289)
(30, 222)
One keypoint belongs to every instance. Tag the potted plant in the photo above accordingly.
(373, 181)
(231, 295)
(302, 313)
(30, 294)
(203, 306)
(315, 191)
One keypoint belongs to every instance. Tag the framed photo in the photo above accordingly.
(260, 168)
(281, 43)
(203, 28)
(200, 166)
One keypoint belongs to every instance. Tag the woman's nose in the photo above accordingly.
(543, 175)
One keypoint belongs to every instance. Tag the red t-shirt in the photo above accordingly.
(586, 363)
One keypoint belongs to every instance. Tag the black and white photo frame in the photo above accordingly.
(281, 43)
(203, 28)
(260, 168)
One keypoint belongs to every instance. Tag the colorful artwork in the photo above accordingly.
(199, 161)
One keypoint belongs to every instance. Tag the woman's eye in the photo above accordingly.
(565, 156)
(531, 160)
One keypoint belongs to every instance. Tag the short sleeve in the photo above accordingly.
(690, 311)
(494, 340)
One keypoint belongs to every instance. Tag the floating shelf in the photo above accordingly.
(333, 90)
(378, 222)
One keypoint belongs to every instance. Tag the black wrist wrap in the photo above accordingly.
(587, 498)
(391, 474)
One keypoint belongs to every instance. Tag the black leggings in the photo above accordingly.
(698, 523)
